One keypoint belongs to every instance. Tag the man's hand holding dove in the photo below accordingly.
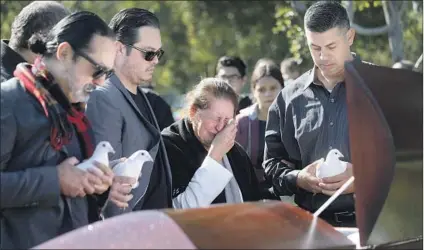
(334, 172)
(326, 176)
(330, 185)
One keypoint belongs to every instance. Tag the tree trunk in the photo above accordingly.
(375, 31)
(393, 15)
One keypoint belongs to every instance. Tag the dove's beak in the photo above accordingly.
(149, 158)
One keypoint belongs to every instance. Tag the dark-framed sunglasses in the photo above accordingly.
(99, 69)
(148, 55)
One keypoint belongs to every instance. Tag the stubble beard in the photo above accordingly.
(147, 78)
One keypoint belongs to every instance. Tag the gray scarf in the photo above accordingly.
(232, 190)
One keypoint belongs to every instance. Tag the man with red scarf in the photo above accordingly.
(44, 134)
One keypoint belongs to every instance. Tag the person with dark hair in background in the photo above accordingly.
(121, 114)
(233, 69)
(35, 19)
(266, 83)
(290, 69)
(44, 134)
(309, 118)
(208, 167)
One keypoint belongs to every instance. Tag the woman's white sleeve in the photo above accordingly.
(207, 183)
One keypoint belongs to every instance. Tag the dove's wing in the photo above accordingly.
(85, 165)
(331, 167)
(130, 168)
(322, 170)
(134, 168)
(342, 166)
(127, 168)
(120, 168)
(88, 164)
(101, 155)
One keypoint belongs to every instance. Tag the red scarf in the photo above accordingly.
(40, 83)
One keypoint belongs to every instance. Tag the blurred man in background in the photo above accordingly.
(37, 18)
(233, 69)
(290, 69)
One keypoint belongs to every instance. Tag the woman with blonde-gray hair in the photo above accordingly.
(207, 165)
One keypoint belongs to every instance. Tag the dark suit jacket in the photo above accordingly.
(9, 60)
(32, 207)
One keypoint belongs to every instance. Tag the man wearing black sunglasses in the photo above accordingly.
(121, 114)
(98, 70)
(44, 134)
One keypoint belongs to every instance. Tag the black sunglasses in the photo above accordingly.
(148, 55)
(99, 69)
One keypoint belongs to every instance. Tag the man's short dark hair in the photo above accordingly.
(232, 61)
(126, 23)
(37, 18)
(324, 15)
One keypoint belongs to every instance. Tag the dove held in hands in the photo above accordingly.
(132, 166)
(332, 165)
(101, 155)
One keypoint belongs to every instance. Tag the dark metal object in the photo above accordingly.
(386, 130)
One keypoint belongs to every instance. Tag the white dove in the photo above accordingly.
(100, 154)
(132, 166)
(332, 165)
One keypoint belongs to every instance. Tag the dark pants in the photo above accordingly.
(339, 219)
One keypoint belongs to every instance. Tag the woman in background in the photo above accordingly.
(266, 83)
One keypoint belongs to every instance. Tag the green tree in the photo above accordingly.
(194, 34)
(387, 31)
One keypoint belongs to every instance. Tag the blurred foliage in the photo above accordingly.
(368, 14)
(196, 33)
